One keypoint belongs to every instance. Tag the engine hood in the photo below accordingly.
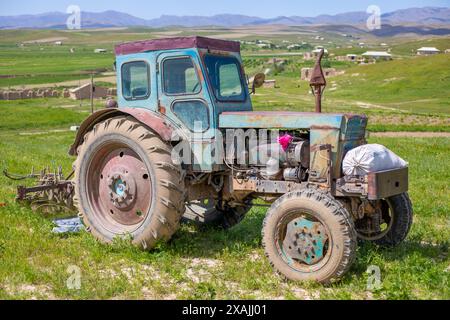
(289, 120)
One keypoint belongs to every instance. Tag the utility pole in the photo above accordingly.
(318, 82)
(92, 93)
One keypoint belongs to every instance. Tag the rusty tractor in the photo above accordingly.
(182, 142)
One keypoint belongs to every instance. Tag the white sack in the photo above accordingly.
(371, 158)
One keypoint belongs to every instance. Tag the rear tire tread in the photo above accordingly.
(170, 199)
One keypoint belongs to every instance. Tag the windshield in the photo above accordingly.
(225, 76)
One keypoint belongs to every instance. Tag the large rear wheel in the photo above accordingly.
(127, 184)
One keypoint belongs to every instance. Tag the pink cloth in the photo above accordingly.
(285, 141)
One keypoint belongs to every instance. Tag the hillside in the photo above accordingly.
(419, 84)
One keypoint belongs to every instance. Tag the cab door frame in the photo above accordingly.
(201, 143)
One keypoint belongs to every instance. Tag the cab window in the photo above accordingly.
(135, 80)
(180, 77)
(225, 77)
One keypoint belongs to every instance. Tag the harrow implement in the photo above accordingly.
(53, 192)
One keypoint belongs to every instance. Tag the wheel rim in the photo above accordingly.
(118, 186)
(303, 241)
(387, 215)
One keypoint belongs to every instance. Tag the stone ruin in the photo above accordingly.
(29, 94)
(270, 84)
(78, 93)
(308, 56)
(84, 92)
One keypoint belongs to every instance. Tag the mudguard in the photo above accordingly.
(149, 118)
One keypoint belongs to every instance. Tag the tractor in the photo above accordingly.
(182, 142)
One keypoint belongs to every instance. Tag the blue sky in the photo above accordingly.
(262, 8)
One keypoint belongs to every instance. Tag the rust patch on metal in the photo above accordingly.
(324, 128)
(318, 82)
(385, 184)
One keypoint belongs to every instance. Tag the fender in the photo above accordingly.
(149, 118)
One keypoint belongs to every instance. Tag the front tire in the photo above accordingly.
(127, 184)
(309, 236)
(401, 213)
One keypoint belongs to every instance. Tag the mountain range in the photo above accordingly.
(57, 20)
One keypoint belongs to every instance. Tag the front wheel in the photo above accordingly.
(309, 236)
(393, 223)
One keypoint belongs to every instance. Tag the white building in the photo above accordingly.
(377, 55)
(100, 51)
(294, 46)
(264, 45)
(424, 51)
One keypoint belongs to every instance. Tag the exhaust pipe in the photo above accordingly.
(318, 82)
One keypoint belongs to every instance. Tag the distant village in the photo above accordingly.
(304, 49)
(310, 52)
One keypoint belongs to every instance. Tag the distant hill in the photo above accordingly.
(57, 20)
(409, 80)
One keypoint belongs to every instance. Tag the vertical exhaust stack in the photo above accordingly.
(318, 82)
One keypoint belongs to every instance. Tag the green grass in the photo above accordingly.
(36, 64)
(409, 47)
(210, 263)
(44, 113)
(199, 263)
(293, 95)
(413, 85)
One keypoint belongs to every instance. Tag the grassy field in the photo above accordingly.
(210, 263)
(407, 94)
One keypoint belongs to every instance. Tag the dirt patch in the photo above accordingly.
(201, 270)
(410, 134)
(34, 292)
(131, 273)
(303, 294)
(366, 105)
(393, 79)
(410, 120)
(36, 133)
(149, 294)
(70, 83)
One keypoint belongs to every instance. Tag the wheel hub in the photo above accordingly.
(122, 189)
(121, 184)
(305, 240)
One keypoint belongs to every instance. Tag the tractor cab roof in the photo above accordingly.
(177, 43)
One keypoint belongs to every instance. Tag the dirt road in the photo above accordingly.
(411, 134)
